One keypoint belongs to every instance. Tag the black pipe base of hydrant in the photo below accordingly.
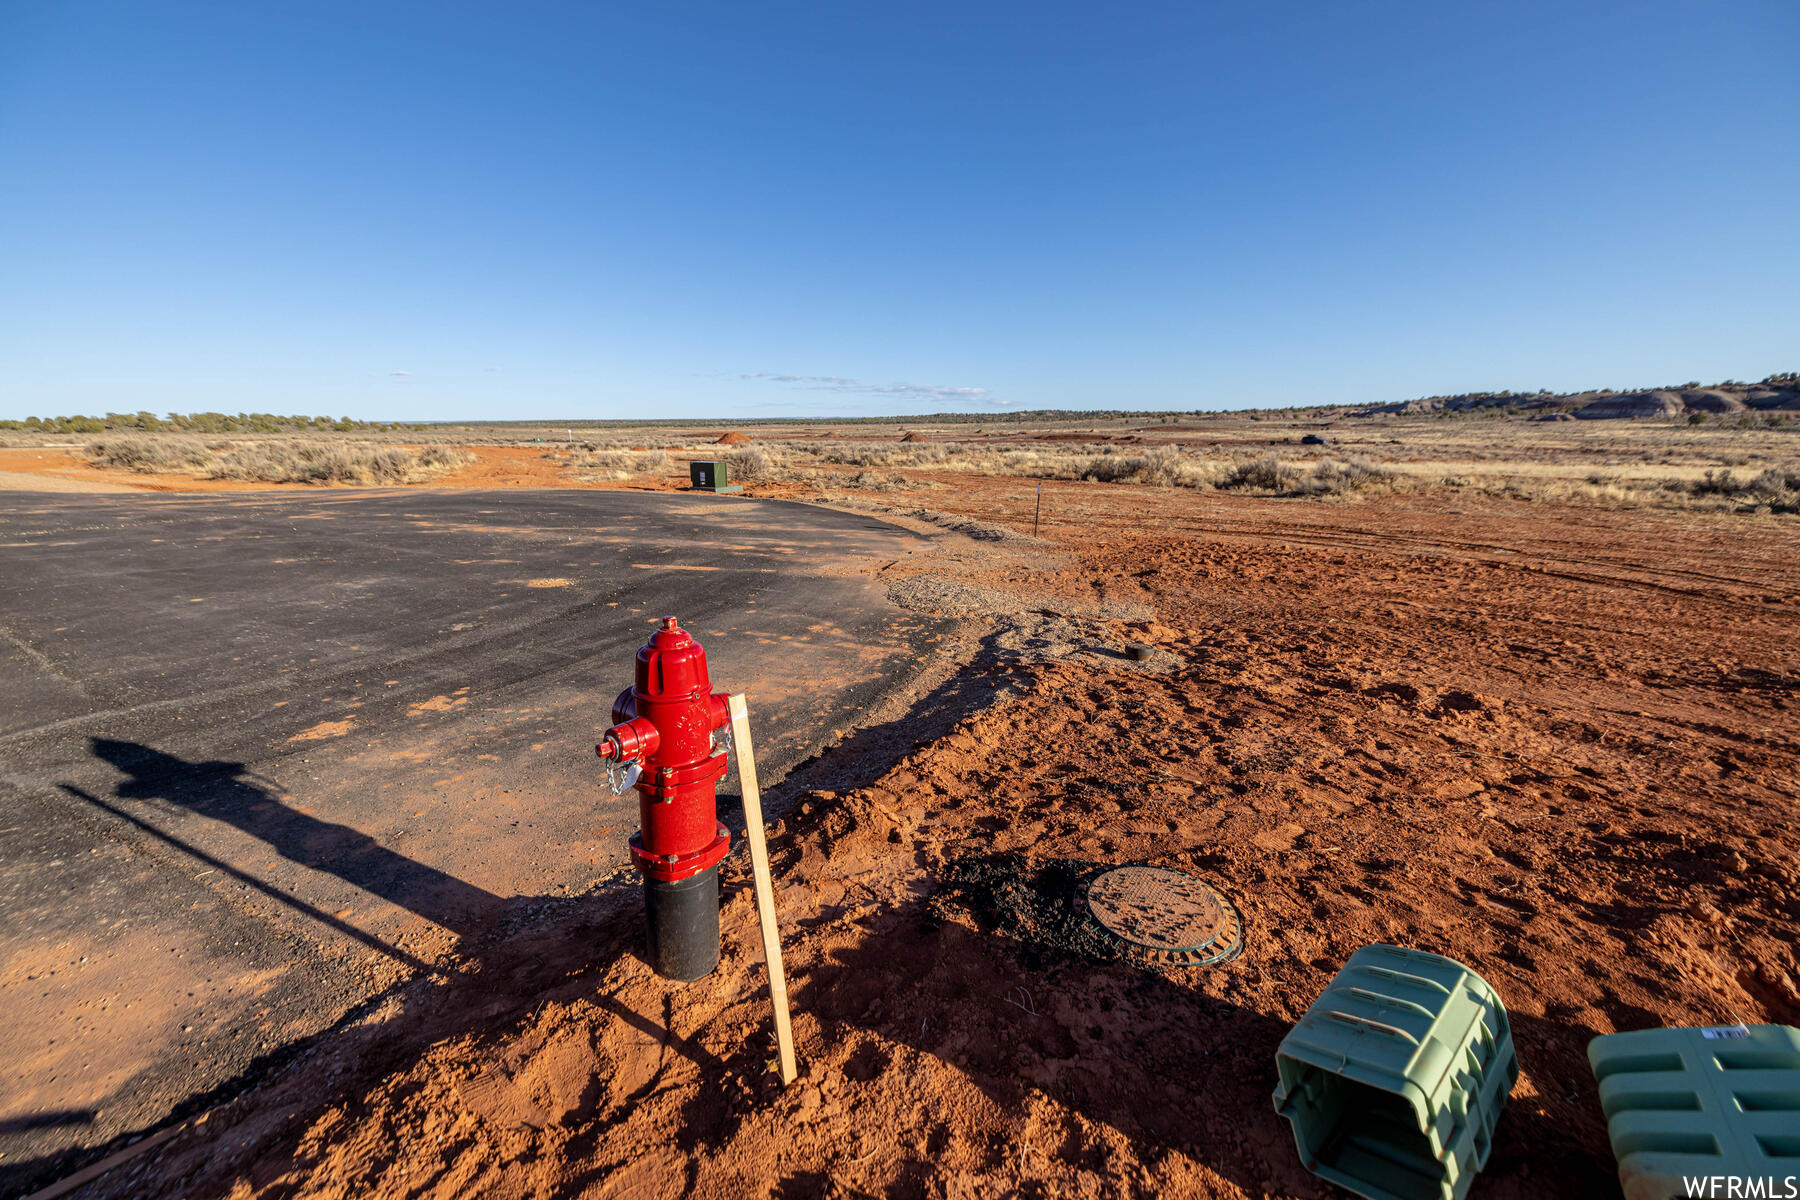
(683, 920)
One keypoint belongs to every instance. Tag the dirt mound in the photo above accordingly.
(915, 437)
(733, 438)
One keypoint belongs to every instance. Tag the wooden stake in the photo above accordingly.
(765, 887)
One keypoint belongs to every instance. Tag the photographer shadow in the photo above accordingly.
(511, 953)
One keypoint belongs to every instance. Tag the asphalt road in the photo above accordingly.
(261, 754)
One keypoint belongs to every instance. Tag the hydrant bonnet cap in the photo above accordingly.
(671, 664)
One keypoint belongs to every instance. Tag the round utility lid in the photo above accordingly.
(1165, 912)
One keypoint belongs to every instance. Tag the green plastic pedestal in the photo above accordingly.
(1686, 1104)
(711, 476)
(1395, 1076)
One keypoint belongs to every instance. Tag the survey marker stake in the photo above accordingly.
(1039, 511)
(765, 888)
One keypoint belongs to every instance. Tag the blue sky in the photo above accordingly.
(528, 210)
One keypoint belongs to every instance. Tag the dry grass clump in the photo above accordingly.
(1777, 488)
(1774, 490)
(1329, 477)
(149, 455)
(875, 455)
(1160, 466)
(1143, 466)
(608, 463)
(1265, 474)
(871, 481)
(1332, 478)
(279, 461)
(312, 462)
(759, 464)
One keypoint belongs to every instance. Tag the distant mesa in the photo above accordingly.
(734, 438)
(1634, 404)
(1778, 393)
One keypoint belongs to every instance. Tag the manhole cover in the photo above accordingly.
(1167, 913)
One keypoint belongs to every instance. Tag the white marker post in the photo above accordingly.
(765, 887)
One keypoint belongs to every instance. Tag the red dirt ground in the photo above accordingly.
(494, 467)
(1556, 744)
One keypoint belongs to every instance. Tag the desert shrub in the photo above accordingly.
(868, 481)
(1160, 466)
(1331, 478)
(1717, 483)
(1266, 474)
(602, 463)
(322, 464)
(193, 423)
(860, 456)
(1776, 487)
(904, 455)
(278, 462)
(1776, 480)
(443, 457)
(756, 464)
(147, 454)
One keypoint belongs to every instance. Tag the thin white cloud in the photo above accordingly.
(401, 374)
(935, 393)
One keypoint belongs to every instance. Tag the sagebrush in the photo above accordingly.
(279, 461)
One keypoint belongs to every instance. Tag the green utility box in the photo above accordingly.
(712, 477)
(1395, 1076)
(1685, 1104)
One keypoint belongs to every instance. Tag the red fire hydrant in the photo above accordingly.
(665, 726)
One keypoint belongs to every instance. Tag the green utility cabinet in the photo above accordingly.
(1684, 1104)
(1395, 1077)
(712, 477)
